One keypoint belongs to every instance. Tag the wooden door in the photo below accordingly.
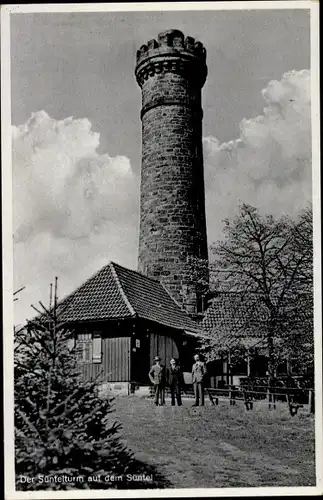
(163, 346)
(140, 361)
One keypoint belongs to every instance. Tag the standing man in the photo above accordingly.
(198, 378)
(175, 381)
(157, 377)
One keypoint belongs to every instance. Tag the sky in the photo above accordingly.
(77, 133)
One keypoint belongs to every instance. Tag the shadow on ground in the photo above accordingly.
(145, 477)
(220, 446)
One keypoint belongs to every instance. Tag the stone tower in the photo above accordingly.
(171, 73)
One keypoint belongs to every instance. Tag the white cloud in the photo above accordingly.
(74, 210)
(269, 164)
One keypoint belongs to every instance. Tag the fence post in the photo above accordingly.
(229, 376)
(248, 363)
(210, 397)
(268, 395)
(311, 401)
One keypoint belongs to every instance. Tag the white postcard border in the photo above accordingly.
(7, 247)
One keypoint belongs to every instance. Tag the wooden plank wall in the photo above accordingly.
(163, 346)
(115, 365)
(116, 352)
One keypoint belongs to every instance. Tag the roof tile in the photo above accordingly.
(116, 292)
(99, 297)
(151, 301)
(235, 318)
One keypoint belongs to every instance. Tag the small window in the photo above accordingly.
(294, 367)
(97, 349)
(89, 348)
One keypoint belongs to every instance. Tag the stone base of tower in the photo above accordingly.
(186, 296)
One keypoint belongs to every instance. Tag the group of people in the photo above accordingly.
(161, 377)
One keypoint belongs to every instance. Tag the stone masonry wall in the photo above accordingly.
(171, 73)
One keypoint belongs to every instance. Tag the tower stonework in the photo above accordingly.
(171, 72)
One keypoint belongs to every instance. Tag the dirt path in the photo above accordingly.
(220, 446)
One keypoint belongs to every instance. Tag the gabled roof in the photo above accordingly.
(115, 292)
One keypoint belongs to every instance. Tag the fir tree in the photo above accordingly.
(63, 429)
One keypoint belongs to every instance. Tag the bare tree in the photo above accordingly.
(269, 260)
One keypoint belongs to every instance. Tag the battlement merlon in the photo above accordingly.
(171, 52)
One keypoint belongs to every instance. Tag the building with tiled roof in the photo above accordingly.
(235, 324)
(234, 318)
(121, 320)
(234, 321)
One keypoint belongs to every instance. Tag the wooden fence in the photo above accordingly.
(295, 397)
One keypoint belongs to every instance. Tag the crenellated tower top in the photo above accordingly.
(172, 52)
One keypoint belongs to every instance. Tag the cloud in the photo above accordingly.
(74, 210)
(269, 164)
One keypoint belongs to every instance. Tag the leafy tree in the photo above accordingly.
(62, 428)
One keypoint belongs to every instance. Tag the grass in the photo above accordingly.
(220, 446)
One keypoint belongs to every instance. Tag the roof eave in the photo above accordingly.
(196, 334)
(99, 320)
